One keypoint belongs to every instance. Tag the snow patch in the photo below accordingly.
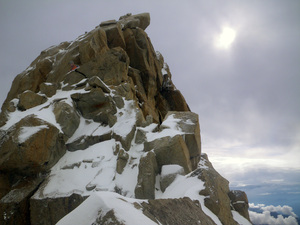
(171, 169)
(100, 203)
(27, 132)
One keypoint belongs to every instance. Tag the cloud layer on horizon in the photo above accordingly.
(261, 214)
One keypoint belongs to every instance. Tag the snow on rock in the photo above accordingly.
(99, 204)
(171, 169)
(187, 186)
(27, 132)
(240, 219)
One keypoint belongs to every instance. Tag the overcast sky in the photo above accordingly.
(246, 95)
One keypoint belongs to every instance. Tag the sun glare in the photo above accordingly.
(225, 38)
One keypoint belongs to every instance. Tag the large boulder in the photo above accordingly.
(170, 150)
(49, 89)
(31, 146)
(188, 123)
(96, 105)
(29, 99)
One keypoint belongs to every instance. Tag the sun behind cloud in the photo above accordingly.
(225, 38)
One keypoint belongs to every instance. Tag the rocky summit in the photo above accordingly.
(95, 132)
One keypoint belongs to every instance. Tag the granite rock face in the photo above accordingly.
(116, 127)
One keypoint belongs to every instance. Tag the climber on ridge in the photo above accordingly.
(74, 67)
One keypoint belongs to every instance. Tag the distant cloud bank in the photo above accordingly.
(272, 215)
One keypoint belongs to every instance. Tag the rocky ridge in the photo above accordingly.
(114, 128)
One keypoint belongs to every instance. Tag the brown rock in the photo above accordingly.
(114, 35)
(111, 67)
(95, 44)
(48, 89)
(170, 150)
(31, 153)
(28, 80)
(96, 105)
(29, 99)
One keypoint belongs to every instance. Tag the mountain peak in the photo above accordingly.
(99, 115)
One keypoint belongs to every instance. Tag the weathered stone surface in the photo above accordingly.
(14, 205)
(93, 45)
(48, 211)
(96, 105)
(189, 125)
(145, 188)
(216, 190)
(170, 150)
(31, 153)
(29, 99)
(239, 201)
(114, 35)
(176, 212)
(168, 177)
(111, 67)
(67, 117)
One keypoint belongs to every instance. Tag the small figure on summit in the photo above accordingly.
(74, 67)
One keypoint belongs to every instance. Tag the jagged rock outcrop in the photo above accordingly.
(115, 124)
(239, 202)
